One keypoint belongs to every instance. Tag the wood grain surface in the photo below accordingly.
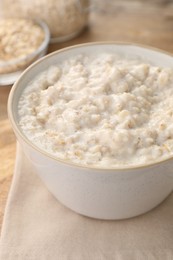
(146, 22)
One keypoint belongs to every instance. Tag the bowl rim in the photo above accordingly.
(39, 49)
(69, 163)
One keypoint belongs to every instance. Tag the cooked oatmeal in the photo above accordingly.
(101, 110)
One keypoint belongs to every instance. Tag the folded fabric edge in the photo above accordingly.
(11, 191)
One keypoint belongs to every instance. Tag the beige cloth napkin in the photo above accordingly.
(37, 227)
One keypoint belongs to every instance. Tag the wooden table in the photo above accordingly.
(147, 22)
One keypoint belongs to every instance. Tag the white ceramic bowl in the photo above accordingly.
(94, 192)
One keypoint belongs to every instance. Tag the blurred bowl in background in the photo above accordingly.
(10, 70)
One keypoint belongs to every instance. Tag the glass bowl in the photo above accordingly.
(11, 70)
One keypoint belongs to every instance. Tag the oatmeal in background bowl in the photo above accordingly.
(95, 122)
(22, 41)
(65, 19)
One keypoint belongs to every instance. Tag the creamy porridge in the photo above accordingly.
(101, 110)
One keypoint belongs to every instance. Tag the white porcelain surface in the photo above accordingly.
(99, 193)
